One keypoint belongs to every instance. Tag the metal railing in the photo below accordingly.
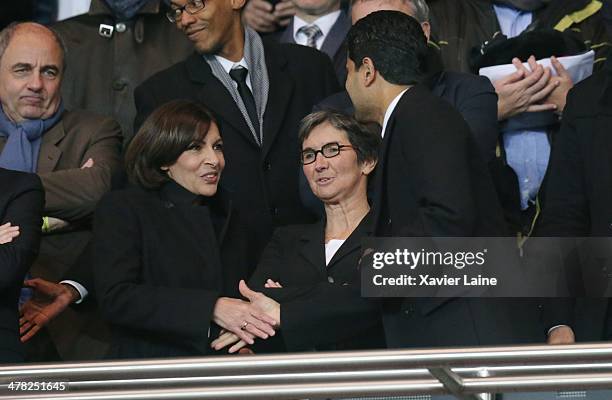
(466, 373)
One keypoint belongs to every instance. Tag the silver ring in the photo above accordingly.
(243, 327)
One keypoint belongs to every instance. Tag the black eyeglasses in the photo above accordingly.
(328, 150)
(192, 7)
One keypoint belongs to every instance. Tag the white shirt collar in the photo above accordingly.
(228, 65)
(390, 110)
(325, 24)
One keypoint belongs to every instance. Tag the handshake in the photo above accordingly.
(241, 321)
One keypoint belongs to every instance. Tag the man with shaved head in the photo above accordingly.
(74, 153)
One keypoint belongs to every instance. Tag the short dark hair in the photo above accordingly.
(394, 41)
(364, 141)
(163, 137)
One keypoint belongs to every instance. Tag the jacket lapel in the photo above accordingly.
(287, 35)
(313, 245)
(279, 96)
(379, 176)
(336, 35)
(50, 153)
(353, 242)
(214, 95)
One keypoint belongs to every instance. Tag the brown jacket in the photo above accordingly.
(102, 72)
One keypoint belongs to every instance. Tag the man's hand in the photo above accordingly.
(262, 16)
(88, 164)
(272, 284)
(524, 90)
(8, 233)
(283, 12)
(561, 335)
(49, 300)
(564, 84)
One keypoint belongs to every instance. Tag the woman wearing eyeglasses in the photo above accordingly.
(312, 271)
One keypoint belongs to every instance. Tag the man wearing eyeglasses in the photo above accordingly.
(258, 91)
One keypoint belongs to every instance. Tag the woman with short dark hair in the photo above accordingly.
(169, 251)
(311, 271)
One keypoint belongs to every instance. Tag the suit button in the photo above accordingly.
(267, 166)
(120, 27)
(330, 279)
(274, 211)
(119, 84)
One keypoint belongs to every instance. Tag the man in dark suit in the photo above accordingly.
(473, 96)
(431, 181)
(258, 92)
(579, 200)
(321, 24)
(21, 204)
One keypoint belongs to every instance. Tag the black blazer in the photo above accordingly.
(160, 263)
(263, 179)
(432, 181)
(579, 196)
(321, 305)
(22, 199)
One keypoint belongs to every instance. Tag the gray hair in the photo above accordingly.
(365, 142)
(8, 32)
(421, 10)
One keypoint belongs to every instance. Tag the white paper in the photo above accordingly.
(579, 67)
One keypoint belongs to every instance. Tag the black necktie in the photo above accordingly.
(239, 75)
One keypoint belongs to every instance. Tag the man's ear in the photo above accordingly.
(368, 71)
(426, 29)
(238, 4)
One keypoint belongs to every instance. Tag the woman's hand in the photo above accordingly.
(8, 233)
(241, 318)
(227, 338)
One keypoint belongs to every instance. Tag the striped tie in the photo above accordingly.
(312, 33)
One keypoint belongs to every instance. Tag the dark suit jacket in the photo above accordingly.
(579, 192)
(432, 181)
(264, 179)
(321, 305)
(21, 203)
(160, 264)
(333, 45)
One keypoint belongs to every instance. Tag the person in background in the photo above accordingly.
(76, 154)
(112, 49)
(21, 206)
(323, 25)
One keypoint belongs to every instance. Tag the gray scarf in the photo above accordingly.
(258, 74)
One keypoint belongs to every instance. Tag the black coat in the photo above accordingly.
(579, 193)
(263, 179)
(431, 181)
(160, 264)
(21, 203)
(321, 305)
